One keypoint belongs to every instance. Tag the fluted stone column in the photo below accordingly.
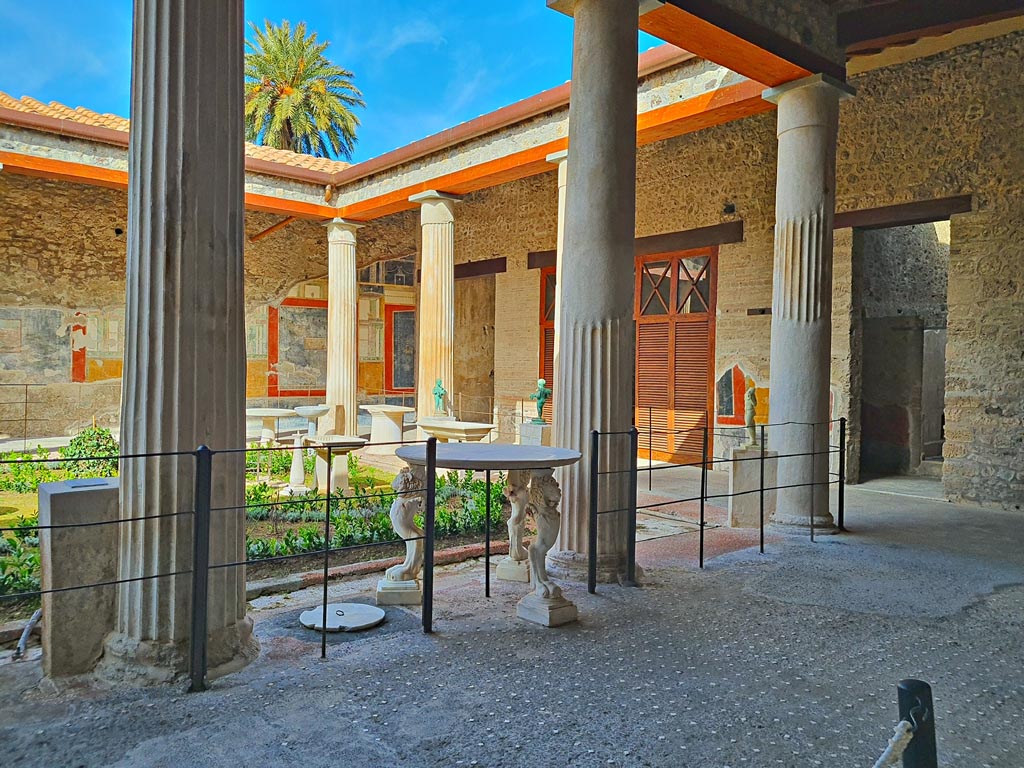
(595, 371)
(342, 325)
(436, 308)
(184, 358)
(808, 119)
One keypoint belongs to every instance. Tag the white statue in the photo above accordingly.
(748, 416)
(408, 484)
(545, 496)
(518, 494)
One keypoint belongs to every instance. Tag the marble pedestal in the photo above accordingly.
(745, 478)
(534, 434)
(513, 570)
(546, 611)
(386, 426)
(404, 592)
(76, 623)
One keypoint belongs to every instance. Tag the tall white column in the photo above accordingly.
(342, 326)
(560, 159)
(808, 121)
(184, 358)
(435, 312)
(595, 371)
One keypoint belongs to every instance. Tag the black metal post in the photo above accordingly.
(842, 475)
(813, 480)
(761, 494)
(487, 535)
(200, 568)
(595, 447)
(428, 544)
(327, 550)
(703, 488)
(634, 448)
(915, 702)
(650, 448)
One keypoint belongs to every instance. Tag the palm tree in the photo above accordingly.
(295, 97)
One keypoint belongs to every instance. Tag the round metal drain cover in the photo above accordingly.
(342, 617)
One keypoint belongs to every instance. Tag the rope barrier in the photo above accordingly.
(902, 735)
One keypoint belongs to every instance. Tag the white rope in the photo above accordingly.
(901, 738)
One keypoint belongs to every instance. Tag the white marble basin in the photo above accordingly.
(312, 412)
(450, 429)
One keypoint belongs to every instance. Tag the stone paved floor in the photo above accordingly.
(783, 659)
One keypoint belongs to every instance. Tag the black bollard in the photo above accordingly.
(916, 707)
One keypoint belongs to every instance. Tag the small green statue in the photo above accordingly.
(542, 395)
(439, 394)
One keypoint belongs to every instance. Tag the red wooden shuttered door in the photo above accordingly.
(675, 315)
(547, 336)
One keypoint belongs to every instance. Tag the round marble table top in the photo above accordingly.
(384, 408)
(490, 456)
(334, 441)
(312, 412)
(269, 412)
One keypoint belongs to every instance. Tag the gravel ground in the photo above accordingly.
(788, 658)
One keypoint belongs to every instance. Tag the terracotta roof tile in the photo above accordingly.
(87, 117)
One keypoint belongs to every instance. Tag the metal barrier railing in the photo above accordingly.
(707, 460)
(202, 512)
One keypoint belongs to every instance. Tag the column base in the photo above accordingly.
(513, 570)
(146, 662)
(801, 524)
(546, 611)
(399, 592)
(567, 565)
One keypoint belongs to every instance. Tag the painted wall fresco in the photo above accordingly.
(35, 345)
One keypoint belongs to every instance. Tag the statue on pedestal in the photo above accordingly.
(542, 395)
(748, 417)
(439, 395)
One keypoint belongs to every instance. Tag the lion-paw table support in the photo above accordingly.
(400, 585)
(545, 605)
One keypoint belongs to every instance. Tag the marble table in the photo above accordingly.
(311, 413)
(270, 417)
(451, 429)
(337, 446)
(386, 424)
(531, 487)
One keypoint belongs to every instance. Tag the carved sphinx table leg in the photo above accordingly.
(545, 605)
(516, 567)
(400, 585)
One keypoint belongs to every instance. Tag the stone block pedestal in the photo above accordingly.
(534, 434)
(513, 570)
(745, 478)
(399, 592)
(76, 623)
(548, 612)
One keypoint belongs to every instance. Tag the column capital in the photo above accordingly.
(557, 158)
(774, 95)
(433, 196)
(342, 230)
(568, 6)
(435, 207)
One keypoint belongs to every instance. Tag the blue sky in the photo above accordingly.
(423, 65)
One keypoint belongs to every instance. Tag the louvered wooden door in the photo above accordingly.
(675, 316)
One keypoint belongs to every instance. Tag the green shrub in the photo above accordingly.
(26, 472)
(19, 569)
(89, 443)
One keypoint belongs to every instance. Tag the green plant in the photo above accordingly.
(19, 570)
(96, 443)
(26, 471)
